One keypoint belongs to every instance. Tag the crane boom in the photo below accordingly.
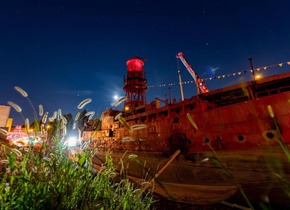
(201, 87)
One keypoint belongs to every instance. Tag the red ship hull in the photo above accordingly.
(228, 137)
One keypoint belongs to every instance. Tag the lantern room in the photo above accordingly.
(135, 64)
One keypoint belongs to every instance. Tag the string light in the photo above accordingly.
(224, 76)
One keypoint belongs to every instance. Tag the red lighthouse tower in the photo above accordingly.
(135, 83)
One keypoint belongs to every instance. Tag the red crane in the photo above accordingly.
(201, 87)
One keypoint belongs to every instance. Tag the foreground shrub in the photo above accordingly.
(50, 180)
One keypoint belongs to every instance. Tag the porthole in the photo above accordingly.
(270, 135)
(206, 140)
(240, 138)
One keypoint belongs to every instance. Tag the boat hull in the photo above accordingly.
(202, 179)
(192, 194)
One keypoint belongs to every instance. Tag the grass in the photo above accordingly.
(50, 180)
(53, 178)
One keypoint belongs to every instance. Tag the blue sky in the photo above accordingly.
(61, 52)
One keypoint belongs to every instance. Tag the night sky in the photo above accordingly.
(62, 52)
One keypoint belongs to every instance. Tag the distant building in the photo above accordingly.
(4, 116)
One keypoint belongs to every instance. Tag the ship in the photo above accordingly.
(204, 149)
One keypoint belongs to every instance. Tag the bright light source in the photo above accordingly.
(116, 97)
(258, 76)
(72, 141)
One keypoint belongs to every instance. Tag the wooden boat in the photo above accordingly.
(229, 138)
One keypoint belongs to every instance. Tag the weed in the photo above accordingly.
(57, 177)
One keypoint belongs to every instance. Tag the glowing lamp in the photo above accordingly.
(258, 76)
(135, 64)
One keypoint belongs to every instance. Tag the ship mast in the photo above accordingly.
(253, 90)
(180, 85)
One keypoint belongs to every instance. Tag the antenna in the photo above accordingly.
(252, 68)
(180, 81)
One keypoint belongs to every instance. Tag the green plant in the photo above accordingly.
(51, 180)
(59, 177)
